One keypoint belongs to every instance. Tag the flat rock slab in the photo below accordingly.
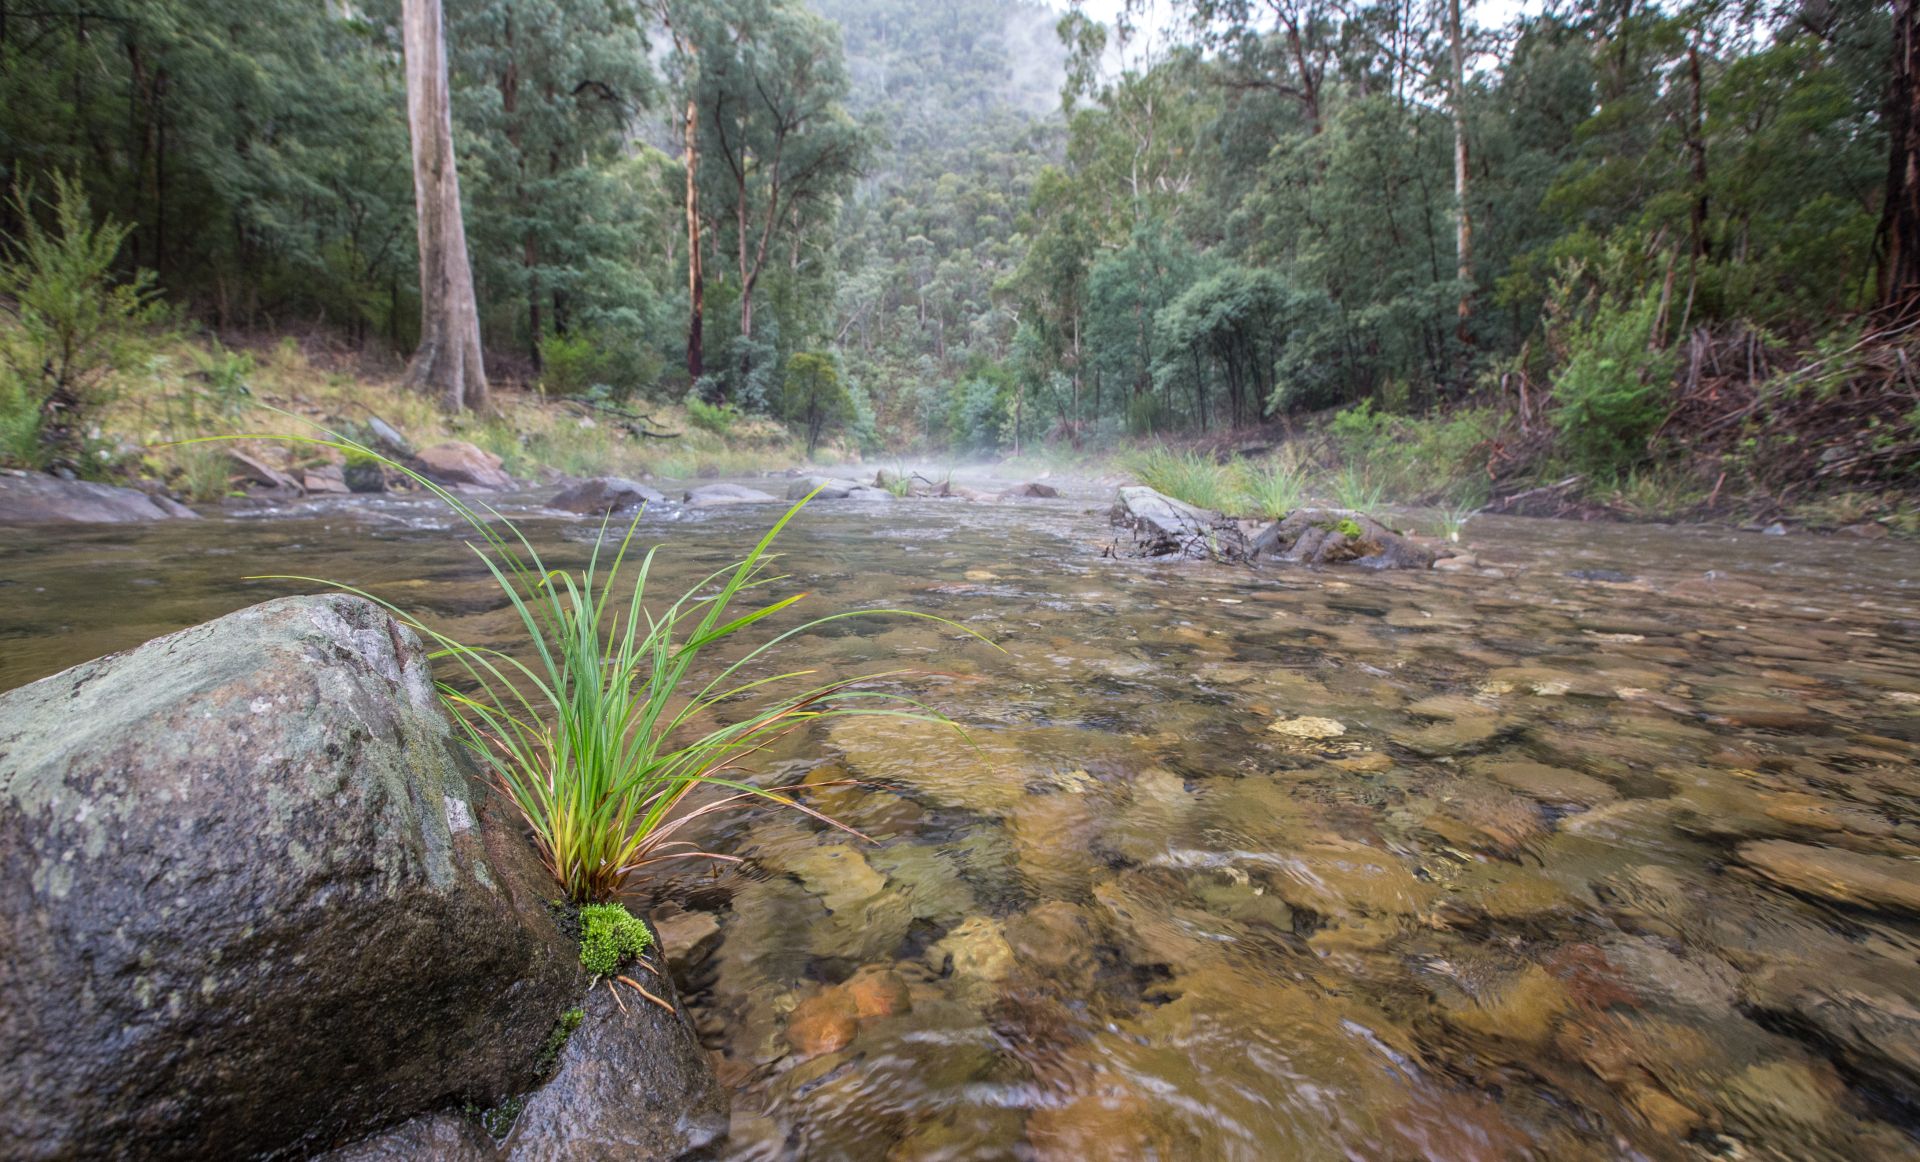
(1553, 785)
(30, 498)
(823, 488)
(604, 494)
(1844, 877)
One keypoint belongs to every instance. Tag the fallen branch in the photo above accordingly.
(1543, 490)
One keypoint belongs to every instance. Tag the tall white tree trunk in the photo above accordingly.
(1463, 219)
(448, 361)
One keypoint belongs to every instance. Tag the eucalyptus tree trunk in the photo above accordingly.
(448, 361)
(1900, 214)
(696, 271)
(1463, 219)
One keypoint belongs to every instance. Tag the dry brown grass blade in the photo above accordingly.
(635, 986)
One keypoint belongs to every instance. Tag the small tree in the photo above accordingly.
(813, 399)
(74, 319)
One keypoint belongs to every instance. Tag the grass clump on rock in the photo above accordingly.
(609, 937)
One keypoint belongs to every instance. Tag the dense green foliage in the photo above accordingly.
(1004, 221)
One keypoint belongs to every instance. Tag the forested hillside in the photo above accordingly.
(1604, 242)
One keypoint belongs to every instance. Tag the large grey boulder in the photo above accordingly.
(31, 498)
(604, 494)
(253, 901)
(1161, 526)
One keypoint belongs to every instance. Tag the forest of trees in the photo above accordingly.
(1004, 223)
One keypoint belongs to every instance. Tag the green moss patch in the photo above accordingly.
(563, 1029)
(610, 936)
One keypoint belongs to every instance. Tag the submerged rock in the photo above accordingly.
(460, 463)
(1034, 490)
(604, 494)
(1843, 877)
(256, 903)
(1869, 1017)
(30, 498)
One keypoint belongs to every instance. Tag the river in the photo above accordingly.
(1604, 852)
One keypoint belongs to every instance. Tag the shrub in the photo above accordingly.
(1615, 388)
(716, 418)
(74, 320)
(568, 365)
(610, 936)
(226, 378)
(20, 445)
(605, 362)
(812, 398)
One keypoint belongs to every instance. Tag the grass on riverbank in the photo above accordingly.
(188, 388)
(1364, 459)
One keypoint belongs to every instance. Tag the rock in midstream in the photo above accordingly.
(600, 495)
(255, 902)
(1161, 526)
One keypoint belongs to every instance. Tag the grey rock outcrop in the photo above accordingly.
(31, 498)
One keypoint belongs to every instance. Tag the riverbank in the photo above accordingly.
(188, 389)
(1459, 466)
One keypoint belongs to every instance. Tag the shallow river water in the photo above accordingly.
(1606, 851)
